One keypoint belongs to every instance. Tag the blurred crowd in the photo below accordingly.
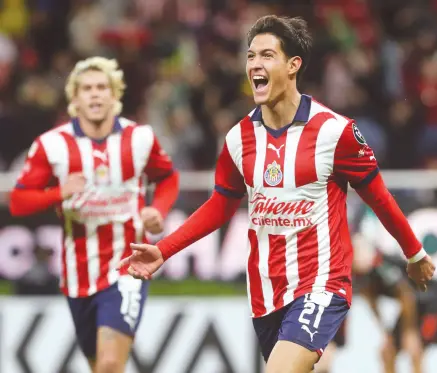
(373, 60)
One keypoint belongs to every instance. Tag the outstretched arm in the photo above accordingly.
(355, 163)
(381, 201)
(216, 211)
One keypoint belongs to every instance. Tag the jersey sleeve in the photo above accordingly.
(37, 171)
(354, 160)
(159, 164)
(228, 179)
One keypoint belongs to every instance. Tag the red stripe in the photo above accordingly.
(277, 268)
(78, 230)
(307, 260)
(340, 264)
(256, 293)
(129, 237)
(127, 160)
(74, 158)
(105, 236)
(80, 235)
(305, 166)
(277, 146)
(249, 149)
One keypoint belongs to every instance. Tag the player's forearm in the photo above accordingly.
(26, 202)
(377, 196)
(166, 193)
(210, 216)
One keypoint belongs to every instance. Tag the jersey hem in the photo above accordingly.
(301, 294)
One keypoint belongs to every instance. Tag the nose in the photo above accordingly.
(256, 63)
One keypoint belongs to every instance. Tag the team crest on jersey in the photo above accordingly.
(102, 175)
(358, 136)
(273, 174)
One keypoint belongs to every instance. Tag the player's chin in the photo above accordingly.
(96, 117)
(260, 99)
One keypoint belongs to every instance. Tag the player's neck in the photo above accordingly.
(96, 130)
(282, 112)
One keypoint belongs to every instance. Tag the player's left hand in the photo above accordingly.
(144, 262)
(153, 221)
(421, 272)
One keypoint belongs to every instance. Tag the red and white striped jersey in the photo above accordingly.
(100, 223)
(296, 179)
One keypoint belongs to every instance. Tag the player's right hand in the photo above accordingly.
(75, 184)
(144, 262)
(421, 272)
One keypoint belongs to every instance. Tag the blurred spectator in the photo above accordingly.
(184, 61)
(38, 280)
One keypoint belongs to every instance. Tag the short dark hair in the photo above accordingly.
(293, 34)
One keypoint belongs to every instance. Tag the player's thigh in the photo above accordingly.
(311, 322)
(290, 357)
(113, 348)
(267, 330)
(120, 309)
(84, 314)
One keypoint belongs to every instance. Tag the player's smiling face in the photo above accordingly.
(94, 98)
(268, 69)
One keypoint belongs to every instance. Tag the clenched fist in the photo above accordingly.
(153, 221)
(75, 184)
(421, 272)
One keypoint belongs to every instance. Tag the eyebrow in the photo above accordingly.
(262, 50)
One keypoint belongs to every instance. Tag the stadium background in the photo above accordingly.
(373, 60)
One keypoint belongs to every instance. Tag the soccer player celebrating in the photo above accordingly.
(94, 170)
(294, 158)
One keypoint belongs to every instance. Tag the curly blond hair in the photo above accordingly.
(109, 67)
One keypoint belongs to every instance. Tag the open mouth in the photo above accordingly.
(260, 82)
(95, 107)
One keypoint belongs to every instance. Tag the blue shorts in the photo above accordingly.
(310, 321)
(119, 307)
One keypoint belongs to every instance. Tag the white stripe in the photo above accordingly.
(70, 259)
(291, 267)
(293, 136)
(93, 258)
(142, 143)
(67, 128)
(324, 246)
(249, 295)
(56, 150)
(266, 283)
(124, 122)
(326, 144)
(86, 154)
(261, 147)
(235, 146)
(118, 245)
(113, 146)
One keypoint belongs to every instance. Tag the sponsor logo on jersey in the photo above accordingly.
(271, 212)
(273, 174)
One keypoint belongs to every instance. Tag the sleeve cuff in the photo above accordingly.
(419, 256)
(367, 180)
(228, 193)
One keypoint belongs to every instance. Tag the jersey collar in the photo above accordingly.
(302, 115)
(79, 133)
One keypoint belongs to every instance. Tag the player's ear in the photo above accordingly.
(294, 64)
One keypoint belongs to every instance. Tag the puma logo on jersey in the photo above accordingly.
(100, 155)
(304, 327)
(273, 147)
